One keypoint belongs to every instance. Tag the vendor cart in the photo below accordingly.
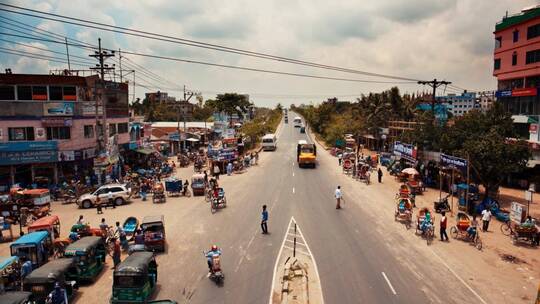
(173, 186)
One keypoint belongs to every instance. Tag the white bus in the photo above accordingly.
(269, 142)
(297, 122)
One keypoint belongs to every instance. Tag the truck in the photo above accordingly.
(306, 154)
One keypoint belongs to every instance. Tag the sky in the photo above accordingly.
(419, 39)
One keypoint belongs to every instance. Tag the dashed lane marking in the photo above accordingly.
(389, 284)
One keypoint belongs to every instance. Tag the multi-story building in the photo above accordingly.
(459, 105)
(48, 125)
(485, 100)
(184, 107)
(517, 68)
(159, 97)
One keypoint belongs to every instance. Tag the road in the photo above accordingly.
(361, 257)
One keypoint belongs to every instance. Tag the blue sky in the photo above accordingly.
(421, 39)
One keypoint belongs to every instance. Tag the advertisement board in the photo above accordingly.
(58, 109)
(89, 109)
(22, 146)
(516, 212)
(40, 133)
(66, 156)
(453, 162)
(406, 151)
(27, 157)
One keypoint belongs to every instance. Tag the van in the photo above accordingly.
(269, 142)
(297, 122)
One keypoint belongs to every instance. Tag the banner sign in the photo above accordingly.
(22, 146)
(524, 92)
(406, 151)
(89, 109)
(506, 93)
(58, 109)
(27, 157)
(516, 212)
(454, 162)
(66, 156)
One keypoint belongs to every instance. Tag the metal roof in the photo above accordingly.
(31, 238)
(135, 264)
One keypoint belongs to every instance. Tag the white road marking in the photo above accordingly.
(298, 250)
(293, 174)
(276, 265)
(459, 278)
(292, 189)
(245, 251)
(297, 242)
(389, 284)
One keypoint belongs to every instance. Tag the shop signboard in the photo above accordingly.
(89, 109)
(28, 157)
(58, 109)
(505, 93)
(533, 128)
(524, 92)
(57, 122)
(22, 146)
(406, 151)
(66, 156)
(516, 212)
(453, 162)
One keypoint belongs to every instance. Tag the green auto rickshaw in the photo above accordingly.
(135, 279)
(41, 281)
(16, 297)
(89, 255)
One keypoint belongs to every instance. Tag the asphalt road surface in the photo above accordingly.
(360, 256)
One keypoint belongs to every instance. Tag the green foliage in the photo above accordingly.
(266, 121)
(203, 111)
(230, 103)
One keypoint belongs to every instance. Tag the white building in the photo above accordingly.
(486, 100)
(458, 105)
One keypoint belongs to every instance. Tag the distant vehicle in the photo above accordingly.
(297, 122)
(306, 154)
(286, 120)
(121, 194)
(269, 142)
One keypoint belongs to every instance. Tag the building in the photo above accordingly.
(485, 99)
(159, 97)
(184, 107)
(517, 68)
(48, 126)
(459, 105)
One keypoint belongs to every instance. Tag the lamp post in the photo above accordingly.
(529, 196)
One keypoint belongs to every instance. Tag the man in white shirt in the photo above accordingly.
(338, 196)
(486, 217)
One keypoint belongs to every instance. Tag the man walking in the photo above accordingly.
(486, 217)
(444, 236)
(379, 175)
(116, 252)
(338, 196)
(264, 220)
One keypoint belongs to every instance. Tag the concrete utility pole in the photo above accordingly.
(434, 84)
(101, 55)
(187, 97)
(67, 53)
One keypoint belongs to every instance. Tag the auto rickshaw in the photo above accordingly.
(135, 279)
(85, 230)
(153, 228)
(16, 297)
(35, 246)
(197, 184)
(89, 255)
(41, 281)
(50, 223)
(10, 274)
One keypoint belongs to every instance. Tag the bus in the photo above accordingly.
(297, 122)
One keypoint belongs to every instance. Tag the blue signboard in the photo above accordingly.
(28, 157)
(505, 93)
(454, 162)
(21, 146)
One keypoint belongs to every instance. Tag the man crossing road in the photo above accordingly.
(338, 196)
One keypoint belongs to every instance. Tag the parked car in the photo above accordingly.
(121, 194)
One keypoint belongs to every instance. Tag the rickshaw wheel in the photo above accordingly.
(478, 243)
(454, 232)
(506, 229)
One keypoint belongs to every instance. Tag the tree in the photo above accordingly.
(203, 112)
(230, 103)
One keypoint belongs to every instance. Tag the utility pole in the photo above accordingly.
(187, 97)
(67, 53)
(120, 62)
(434, 84)
(101, 55)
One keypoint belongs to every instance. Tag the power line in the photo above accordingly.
(166, 38)
(235, 67)
(40, 57)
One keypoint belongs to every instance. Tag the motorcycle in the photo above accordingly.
(216, 274)
(441, 205)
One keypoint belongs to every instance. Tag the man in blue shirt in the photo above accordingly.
(264, 219)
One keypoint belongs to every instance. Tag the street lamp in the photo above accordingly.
(530, 192)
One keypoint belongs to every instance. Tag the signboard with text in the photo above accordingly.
(21, 146)
(406, 151)
(516, 212)
(454, 162)
(27, 157)
(58, 109)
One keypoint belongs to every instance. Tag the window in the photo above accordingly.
(24, 93)
(497, 64)
(112, 129)
(7, 93)
(39, 93)
(498, 42)
(55, 93)
(122, 128)
(88, 131)
(23, 133)
(532, 57)
(533, 31)
(516, 36)
(70, 93)
(58, 133)
(514, 58)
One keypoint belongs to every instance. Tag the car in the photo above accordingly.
(121, 194)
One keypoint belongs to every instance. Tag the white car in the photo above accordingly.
(120, 193)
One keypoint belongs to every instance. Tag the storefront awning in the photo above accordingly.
(146, 151)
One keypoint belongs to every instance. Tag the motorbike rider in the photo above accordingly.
(210, 254)
(426, 222)
(58, 295)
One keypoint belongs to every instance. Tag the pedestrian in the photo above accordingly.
(139, 237)
(110, 199)
(216, 171)
(340, 159)
(122, 235)
(99, 208)
(205, 178)
(486, 217)
(338, 196)
(229, 168)
(264, 220)
(444, 236)
(103, 226)
(116, 252)
(379, 175)
(81, 220)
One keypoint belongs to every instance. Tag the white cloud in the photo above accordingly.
(446, 39)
